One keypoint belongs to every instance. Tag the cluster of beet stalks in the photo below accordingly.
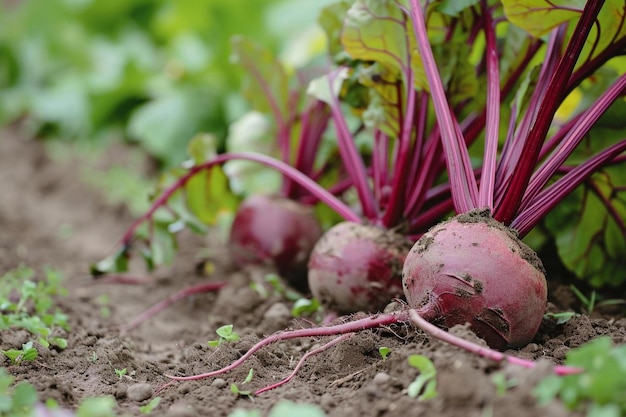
(472, 268)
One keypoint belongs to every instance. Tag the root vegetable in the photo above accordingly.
(275, 231)
(357, 267)
(473, 269)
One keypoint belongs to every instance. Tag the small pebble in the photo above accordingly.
(219, 383)
(372, 391)
(139, 392)
(277, 312)
(381, 378)
(560, 352)
(121, 391)
(393, 306)
(532, 347)
(181, 409)
(327, 401)
(184, 389)
(89, 341)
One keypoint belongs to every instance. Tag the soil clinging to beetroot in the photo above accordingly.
(356, 267)
(472, 269)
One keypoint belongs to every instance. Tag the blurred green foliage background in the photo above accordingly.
(155, 72)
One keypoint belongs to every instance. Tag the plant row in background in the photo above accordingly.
(153, 72)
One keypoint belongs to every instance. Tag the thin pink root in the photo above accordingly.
(124, 279)
(485, 352)
(338, 329)
(380, 320)
(307, 355)
(157, 308)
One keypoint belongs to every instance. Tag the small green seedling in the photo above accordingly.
(561, 318)
(384, 352)
(262, 291)
(279, 288)
(502, 383)
(33, 310)
(599, 389)
(591, 303)
(235, 389)
(27, 353)
(284, 408)
(121, 373)
(226, 334)
(103, 301)
(305, 307)
(51, 404)
(588, 303)
(147, 409)
(425, 385)
(18, 400)
(97, 407)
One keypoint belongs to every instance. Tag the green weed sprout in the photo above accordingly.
(121, 373)
(33, 309)
(18, 400)
(600, 388)
(384, 352)
(226, 334)
(148, 408)
(425, 385)
(235, 389)
(27, 353)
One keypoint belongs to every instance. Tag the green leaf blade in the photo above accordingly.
(540, 17)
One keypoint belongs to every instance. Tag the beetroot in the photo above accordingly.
(275, 231)
(356, 267)
(473, 269)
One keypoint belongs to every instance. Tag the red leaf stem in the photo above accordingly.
(551, 196)
(570, 141)
(351, 158)
(554, 95)
(488, 176)
(311, 186)
(400, 179)
(464, 187)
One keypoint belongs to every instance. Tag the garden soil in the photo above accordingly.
(49, 216)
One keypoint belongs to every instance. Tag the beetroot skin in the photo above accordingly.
(357, 267)
(472, 269)
(273, 230)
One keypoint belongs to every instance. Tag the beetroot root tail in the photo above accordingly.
(307, 355)
(162, 305)
(337, 329)
(485, 352)
(377, 321)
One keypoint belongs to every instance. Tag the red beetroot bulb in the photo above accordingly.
(473, 269)
(276, 231)
(356, 267)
